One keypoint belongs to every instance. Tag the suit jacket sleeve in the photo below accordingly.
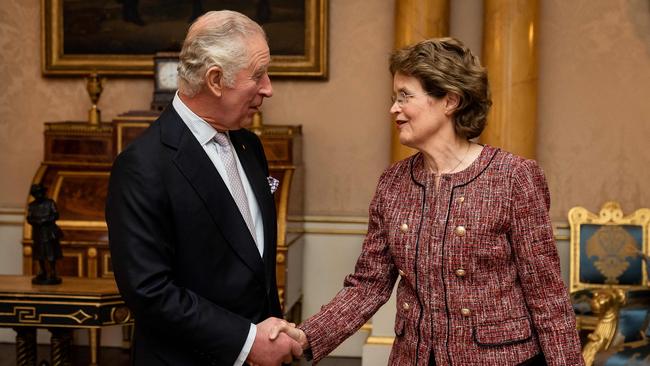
(364, 291)
(538, 267)
(142, 249)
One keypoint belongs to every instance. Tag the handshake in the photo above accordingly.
(276, 342)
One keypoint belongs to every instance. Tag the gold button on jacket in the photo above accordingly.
(460, 272)
(465, 312)
(406, 306)
(460, 230)
(404, 227)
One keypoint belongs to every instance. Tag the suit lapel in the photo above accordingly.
(255, 174)
(257, 179)
(196, 166)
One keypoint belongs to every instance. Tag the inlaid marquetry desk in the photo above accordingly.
(77, 303)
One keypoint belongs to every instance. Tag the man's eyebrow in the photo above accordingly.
(261, 70)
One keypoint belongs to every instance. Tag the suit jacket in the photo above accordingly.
(184, 260)
(479, 272)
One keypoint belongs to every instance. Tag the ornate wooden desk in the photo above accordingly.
(77, 303)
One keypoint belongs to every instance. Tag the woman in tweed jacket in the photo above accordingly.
(464, 227)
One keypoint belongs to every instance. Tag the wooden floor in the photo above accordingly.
(120, 357)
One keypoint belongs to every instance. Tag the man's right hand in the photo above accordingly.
(290, 329)
(272, 352)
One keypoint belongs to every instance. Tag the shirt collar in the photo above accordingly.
(201, 130)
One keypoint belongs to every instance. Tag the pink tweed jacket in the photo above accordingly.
(479, 274)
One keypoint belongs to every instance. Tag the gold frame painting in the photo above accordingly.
(310, 62)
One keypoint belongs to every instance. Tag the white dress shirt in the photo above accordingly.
(204, 134)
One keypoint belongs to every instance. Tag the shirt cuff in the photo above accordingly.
(243, 355)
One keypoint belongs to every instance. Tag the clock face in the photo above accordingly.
(167, 75)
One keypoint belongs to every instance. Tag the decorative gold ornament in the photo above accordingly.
(120, 314)
(612, 245)
(94, 86)
(257, 125)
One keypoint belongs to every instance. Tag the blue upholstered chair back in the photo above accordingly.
(608, 249)
(610, 254)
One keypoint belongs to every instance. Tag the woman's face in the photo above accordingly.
(419, 117)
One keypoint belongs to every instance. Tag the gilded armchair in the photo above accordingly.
(607, 250)
(609, 282)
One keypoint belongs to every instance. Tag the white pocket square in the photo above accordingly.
(273, 184)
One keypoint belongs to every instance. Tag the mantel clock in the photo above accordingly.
(165, 79)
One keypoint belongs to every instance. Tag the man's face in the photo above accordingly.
(251, 86)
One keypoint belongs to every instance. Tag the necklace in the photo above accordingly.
(438, 174)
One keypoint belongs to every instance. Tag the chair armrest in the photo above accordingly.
(605, 303)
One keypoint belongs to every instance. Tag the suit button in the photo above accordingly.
(404, 227)
(460, 199)
(465, 312)
(460, 272)
(460, 230)
(401, 273)
(406, 306)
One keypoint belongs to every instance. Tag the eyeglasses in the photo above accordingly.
(402, 98)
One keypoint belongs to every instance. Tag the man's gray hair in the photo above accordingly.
(217, 38)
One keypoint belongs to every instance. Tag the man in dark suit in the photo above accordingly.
(190, 214)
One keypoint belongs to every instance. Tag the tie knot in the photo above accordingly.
(222, 139)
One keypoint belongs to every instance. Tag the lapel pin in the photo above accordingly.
(273, 184)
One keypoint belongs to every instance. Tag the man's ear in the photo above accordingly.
(214, 80)
(452, 101)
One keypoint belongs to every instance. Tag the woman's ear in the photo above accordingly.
(452, 101)
(214, 80)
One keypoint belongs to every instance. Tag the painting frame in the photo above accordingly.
(54, 62)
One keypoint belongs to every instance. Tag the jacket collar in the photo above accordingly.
(421, 175)
(195, 165)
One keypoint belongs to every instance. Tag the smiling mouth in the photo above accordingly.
(400, 122)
